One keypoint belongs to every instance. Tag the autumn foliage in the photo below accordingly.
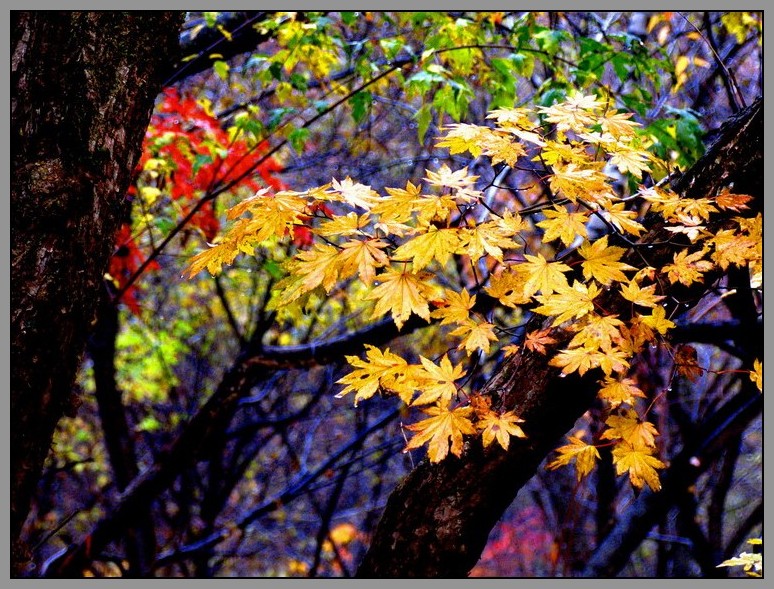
(187, 155)
(396, 249)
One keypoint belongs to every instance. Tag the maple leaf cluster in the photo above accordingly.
(186, 153)
(401, 248)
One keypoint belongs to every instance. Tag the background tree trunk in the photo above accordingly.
(83, 89)
(437, 521)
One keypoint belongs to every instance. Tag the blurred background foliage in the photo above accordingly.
(292, 480)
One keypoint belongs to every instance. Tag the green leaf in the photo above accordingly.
(349, 17)
(391, 46)
(273, 269)
(524, 64)
(275, 69)
(298, 139)
(221, 69)
(423, 117)
(211, 18)
(361, 104)
(149, 424)
(200, 160)
(299, 82)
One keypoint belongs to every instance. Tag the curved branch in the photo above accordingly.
(207, 42)
(437, 521)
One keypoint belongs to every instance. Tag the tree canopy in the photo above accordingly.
(417, 294)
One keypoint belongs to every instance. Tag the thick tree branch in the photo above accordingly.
(208, 44)
(437, 521)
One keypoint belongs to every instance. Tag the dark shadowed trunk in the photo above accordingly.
(437, 521)
(83, 87)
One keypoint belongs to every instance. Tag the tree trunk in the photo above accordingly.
(83, 89)
(437, 521)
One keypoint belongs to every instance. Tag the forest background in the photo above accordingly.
(211, 430)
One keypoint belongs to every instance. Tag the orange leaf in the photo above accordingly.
(734, 202)
(538, 340)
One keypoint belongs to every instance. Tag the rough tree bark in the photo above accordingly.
(83, 88)
(437, 521)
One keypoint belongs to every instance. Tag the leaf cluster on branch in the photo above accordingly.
(395, 251)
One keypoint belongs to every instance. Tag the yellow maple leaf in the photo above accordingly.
(639, 463)
(616, 360)
(348, 224)
(273, 216)
(503, 149)
(401, 293)
(356, 194)
(380, 369)
(455, 307)
(543, 276)
(561, 153)
(500, 427)
(756, 374)
(271, 209)
(517, 121)
(487, 237)
(475, 336)
(438, 431)
(619, 125)
(216, 257)
(643, 296)
(564, 225)
(401, 204)
(431, 208)
(568, 302)
(577, 359)
(511, 224)
(616, 391)
(632, 161)
(579, 183)
(628, 426)
(597, 332)
(602, 262)
(362, 257)
(639, 333)
(657, 320)
(436, 381)
(732, 248)
(577, 112)
(507, 286)
(462, 137)
(309, 269)
(621, 218)
(693, 210)
(438, 244)
(462, 182)
(585, 456)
